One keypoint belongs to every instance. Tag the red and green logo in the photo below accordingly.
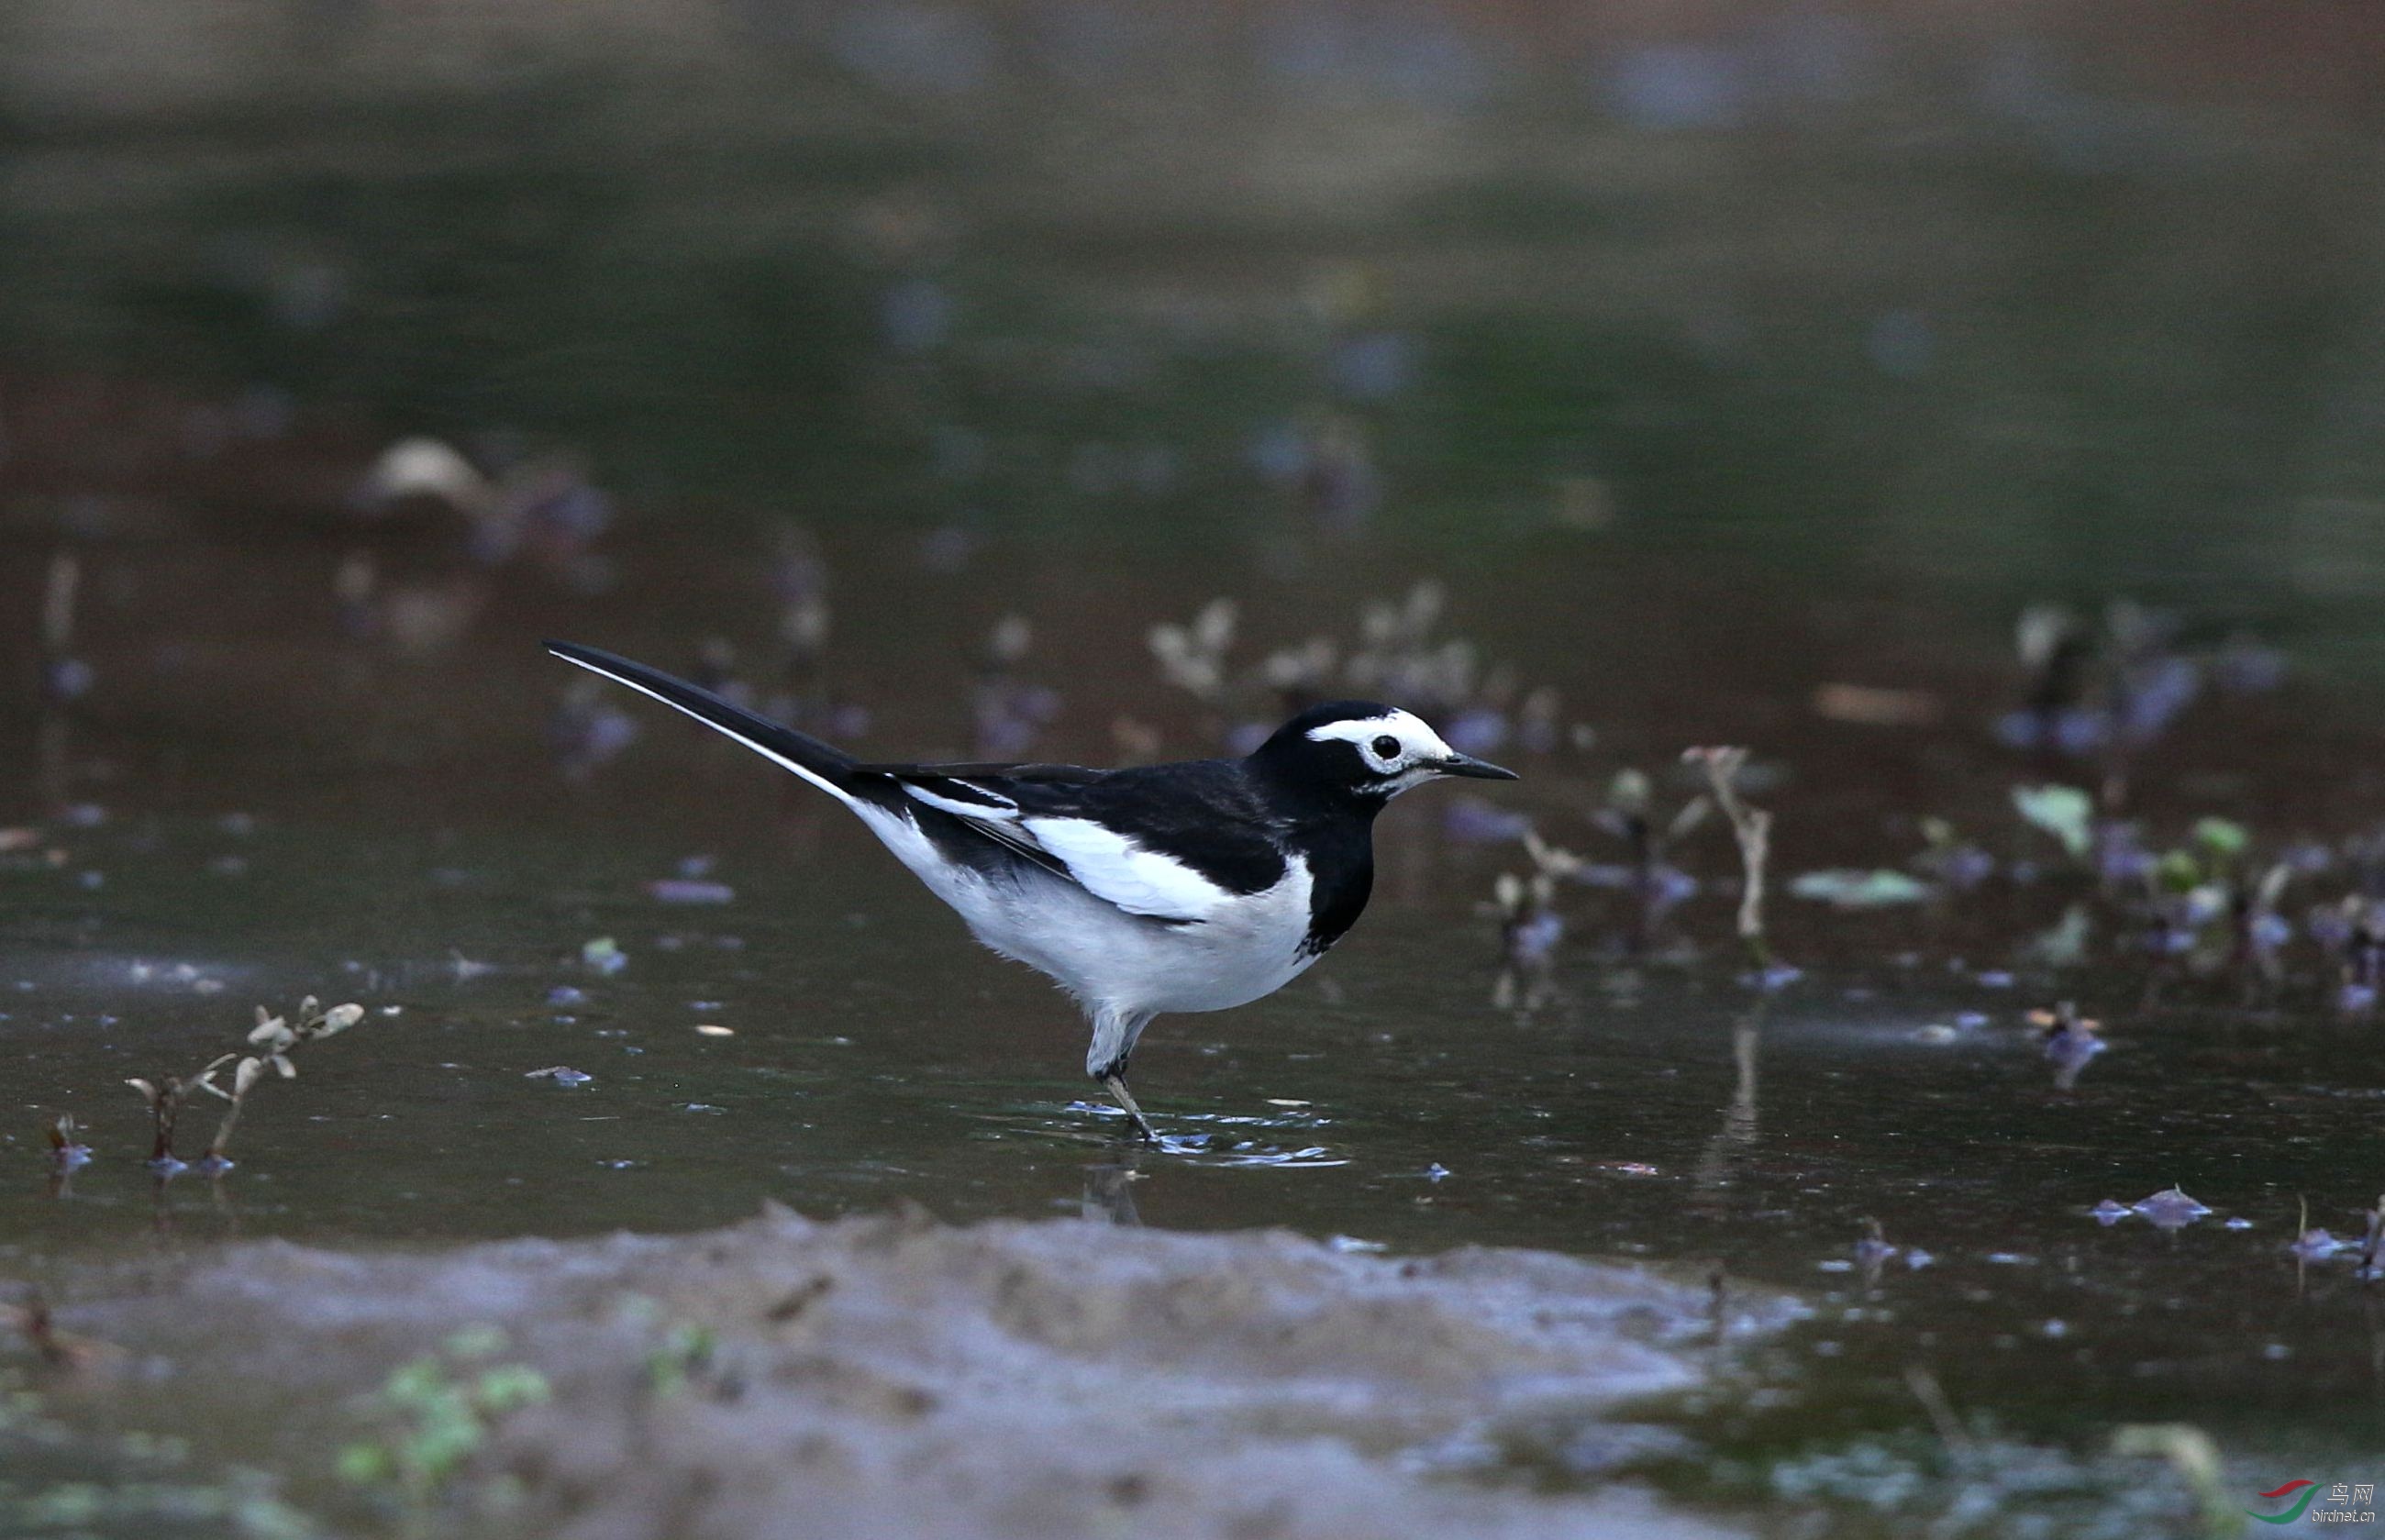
(2309, 1489)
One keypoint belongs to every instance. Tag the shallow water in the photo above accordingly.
(875, 1056)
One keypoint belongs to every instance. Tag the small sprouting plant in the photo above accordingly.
(274, 1039)
(2070, 1041)
(1530, 926)
(1956, 864)
(1630, 815)
(66, 1149)
(1873, 1251)
(165, 1098)
(1011, 712)
(2206, 899)
(438, 1410)
(686, 1351)
(1398, 658)
(2352, 931)
(1193, 657)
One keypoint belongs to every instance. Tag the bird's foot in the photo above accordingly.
(1116, 1085)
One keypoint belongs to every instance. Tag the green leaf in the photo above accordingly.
(479, 1340)
(2178, 872)
(2222, 837)
(509, 1385)
(1849, 889)
(2064, 811)
(446, 1436)
(365, 1464)
(418, 1383)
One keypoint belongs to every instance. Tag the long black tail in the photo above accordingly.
(828, 767)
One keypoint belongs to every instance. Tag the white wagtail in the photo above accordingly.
(1191, 887)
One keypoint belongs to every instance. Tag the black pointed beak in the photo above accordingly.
(1479, 769)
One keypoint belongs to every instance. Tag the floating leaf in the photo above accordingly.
(2317, 1245)
(2170, 1208)
(2064, 811)
(1849, 889)
(689, 890)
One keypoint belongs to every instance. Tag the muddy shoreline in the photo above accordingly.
(895, 1374)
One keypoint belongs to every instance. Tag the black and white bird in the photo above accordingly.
(1163, 887)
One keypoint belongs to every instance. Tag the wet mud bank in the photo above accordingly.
(896, 1375)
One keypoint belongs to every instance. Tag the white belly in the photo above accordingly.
(1109, 959)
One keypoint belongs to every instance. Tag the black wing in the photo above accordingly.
(1171, 842)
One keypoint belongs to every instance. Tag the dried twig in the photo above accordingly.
(1752, 828)
(1932, 1397)
(165, 1098)
(2192, 1454)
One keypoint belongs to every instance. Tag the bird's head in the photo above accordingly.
(1362, 750)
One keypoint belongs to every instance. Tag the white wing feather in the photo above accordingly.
(1109, 865)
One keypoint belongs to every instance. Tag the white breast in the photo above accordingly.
(1247, 947)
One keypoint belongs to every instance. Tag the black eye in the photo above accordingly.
(1386, 747)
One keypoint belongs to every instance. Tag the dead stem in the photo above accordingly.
(164, 1098)
(1932, 1397)
(1752, 828)
(243, 1079)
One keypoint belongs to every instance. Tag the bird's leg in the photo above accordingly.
(1114, 1035)
(1114, 1082)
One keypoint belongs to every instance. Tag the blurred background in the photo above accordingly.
(1978, 301)
(1685, 341)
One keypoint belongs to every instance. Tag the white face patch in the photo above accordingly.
(1396, 745)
